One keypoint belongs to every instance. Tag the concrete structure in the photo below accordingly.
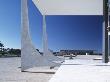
(30, 57)
(105, 31)
(47, 53)
(70, 7)
(78, 7)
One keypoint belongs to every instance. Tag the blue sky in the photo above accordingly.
(64, 32)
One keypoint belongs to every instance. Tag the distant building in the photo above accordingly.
(56, 53)
(75, 52)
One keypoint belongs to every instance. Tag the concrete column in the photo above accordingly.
(45, 41)
(105, 32)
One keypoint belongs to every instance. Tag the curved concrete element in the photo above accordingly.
(30, 57)
(49, 55)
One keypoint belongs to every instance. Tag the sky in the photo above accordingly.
(64, 32)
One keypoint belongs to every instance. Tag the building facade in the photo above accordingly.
(75, 52)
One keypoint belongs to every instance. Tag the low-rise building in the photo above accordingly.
(75, 52)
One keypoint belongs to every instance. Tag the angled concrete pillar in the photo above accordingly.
(30, 57)
(47, 53)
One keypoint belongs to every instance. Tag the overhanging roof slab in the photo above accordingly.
(70, 7)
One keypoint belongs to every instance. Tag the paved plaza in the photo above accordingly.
(10, 71)
(79, 69)
(82, 70)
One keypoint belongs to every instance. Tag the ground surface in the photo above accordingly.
(80, 69)
(83, 69)
(10, 72)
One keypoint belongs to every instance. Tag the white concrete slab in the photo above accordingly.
(80, 70)
(69, 7)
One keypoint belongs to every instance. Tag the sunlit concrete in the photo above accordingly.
(46, 52)
(30, 57)
(82, 70)
(10, 71)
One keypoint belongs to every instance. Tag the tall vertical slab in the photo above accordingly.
(45, 43)
(47, 53)
(30, 57)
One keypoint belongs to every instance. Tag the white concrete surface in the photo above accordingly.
(30, 57)
(82, 70)
(70, 7)
(46, 52)
(10, 71)
(76, 70)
